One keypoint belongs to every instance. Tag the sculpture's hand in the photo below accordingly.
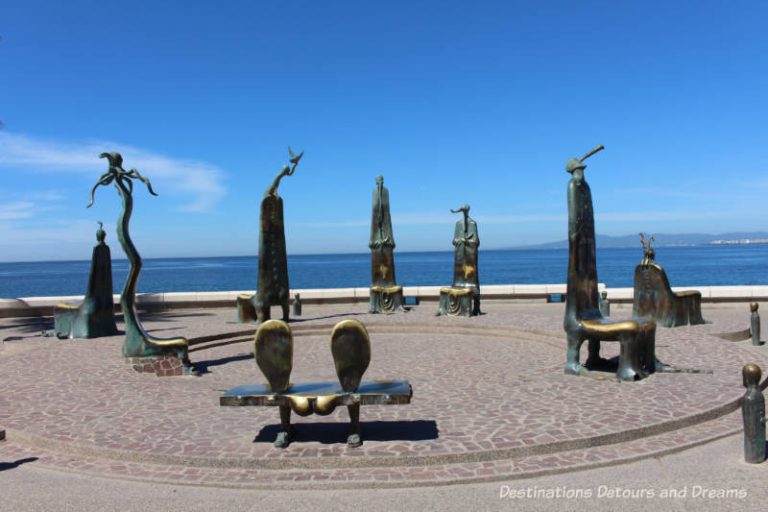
(133, 173)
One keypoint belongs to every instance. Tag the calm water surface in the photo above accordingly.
(686, 266)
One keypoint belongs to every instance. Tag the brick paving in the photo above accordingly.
(490, 401)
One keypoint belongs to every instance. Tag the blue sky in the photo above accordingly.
(453, 102)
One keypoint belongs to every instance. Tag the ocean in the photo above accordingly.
(715, 265)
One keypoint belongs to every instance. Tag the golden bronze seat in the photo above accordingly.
(351, 350)
(654, 298)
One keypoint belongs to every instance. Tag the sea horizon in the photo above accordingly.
(710, 265)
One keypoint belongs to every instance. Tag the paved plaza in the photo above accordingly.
(492, 412)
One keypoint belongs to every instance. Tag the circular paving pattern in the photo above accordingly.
(490, 401)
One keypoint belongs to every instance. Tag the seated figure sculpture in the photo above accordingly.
(583, 320)
(654, 298)
(385, 295)
(351, 350)
(95, 317)
(463, 296)
(272, 287)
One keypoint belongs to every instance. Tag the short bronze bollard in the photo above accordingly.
(297, 305)
(755, 324)
(753, 412)
(605, 304)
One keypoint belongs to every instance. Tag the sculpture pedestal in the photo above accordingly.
(162, 366)
(456, 302)
(246, 312)
(386, 299)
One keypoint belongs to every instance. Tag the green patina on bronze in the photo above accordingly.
(466, 241)
(753, 414)
(583, 320)
(95, 317)
(272, 287)
(654, 298)
(385, 295)
(754, 330)
(137, 342)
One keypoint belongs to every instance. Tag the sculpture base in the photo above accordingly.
(386, 299)
(76, 322)
(248, 312)
(456, 302)
(162, 366)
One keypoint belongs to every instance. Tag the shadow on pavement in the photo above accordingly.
(4, 466)
(331, 433)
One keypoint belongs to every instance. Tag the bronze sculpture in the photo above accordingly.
(351, 350)
(297, 305)
(583, 320)
(95, 317)
(653, 296)
(138, 343)
(385, 295)
(272, 287)
(754, 324)
(466, 282)
(605, 304)
(753, 414)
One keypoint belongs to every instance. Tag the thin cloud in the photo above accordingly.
(17, 210)
(201, 181)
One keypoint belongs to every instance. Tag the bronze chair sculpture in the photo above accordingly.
(385, 295)
(272, 287)
(95, 317)
(351, 350)
(583, 320)
(148, 351)
(653, 296)
(463, 296)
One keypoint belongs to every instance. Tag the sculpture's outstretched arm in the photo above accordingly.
(285, 171)
(133, 173)
(105, 179)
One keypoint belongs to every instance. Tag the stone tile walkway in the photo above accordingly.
(490, 401)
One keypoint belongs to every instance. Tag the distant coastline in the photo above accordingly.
(666, 240)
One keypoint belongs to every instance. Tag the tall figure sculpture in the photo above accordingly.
(95, 317)
(385, 295)
(272, 287)
(753, 414)
(466, 283)
(653, 295)
(583, 320)
(137, 344)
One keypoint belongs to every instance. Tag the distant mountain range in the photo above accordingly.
(666, 240)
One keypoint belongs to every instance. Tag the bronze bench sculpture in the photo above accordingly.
(583, 320)
(351, 349)
(654, 298)
(272, 286)
(463, 296)
(147, 353)
(95, 316)
(385, 295)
